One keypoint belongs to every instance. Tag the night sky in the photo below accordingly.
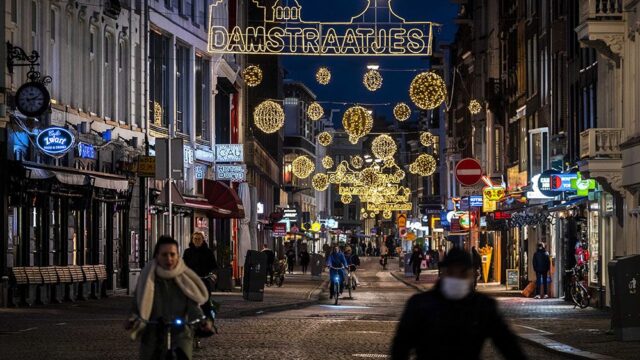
(346, 82)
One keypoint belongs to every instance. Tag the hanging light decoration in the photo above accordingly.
(364, 215)
(389, 162)
(325, 138)
(252, 75)
(428, 90)
(302, 167)
(402, 112)
(320, 182)
(425, 165)
(315, 111)
(475, 107)
(399, 175)
(372, 215)
(269, 116)
(346, 199)
(357, 161)
(327, 162)
(323, 76)
(357, 122)
(384, 147)
(387, 214)
(369, 177)
(426, 139)
(372, 80)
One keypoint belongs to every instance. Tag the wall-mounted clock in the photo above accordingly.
(32, 99)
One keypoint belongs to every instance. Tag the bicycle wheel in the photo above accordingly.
(336, 291)
(585, 299)
(349, 283)
(280, 281)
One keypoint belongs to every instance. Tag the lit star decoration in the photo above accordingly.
(268, 116)
(357, 162)
(402, 112)
(384, 147)
(372, 80)
(320, 182)
(357, 122)
(327, 162)
(425, 165)
(475, 107)
(302, 167)
(325, 138)
(426, 139)
(252, 75)
(323, 76)
(315, 111)
(428, 90)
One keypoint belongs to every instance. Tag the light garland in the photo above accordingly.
(302, 167)
(364, 215)
(320, 182)
(399, 175)
(426, 139)
(384, 147)
(428, 90)
(389, 162)
(387, 214)
(372, 214)
(315, 111)
(325, 138)
(402, 112)
(323, 76)
(369, 177)
(252, 75)
(357, 122)
(268, 116)
(475, 107)
(425, 165)
(372, 80)
(357, 162)
(327, 162)
(346, 199)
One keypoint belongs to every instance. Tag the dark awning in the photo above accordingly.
(569, 204)
(225, 200)
(69, 176)
(203, 204)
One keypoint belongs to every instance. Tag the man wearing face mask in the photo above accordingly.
(453, 316)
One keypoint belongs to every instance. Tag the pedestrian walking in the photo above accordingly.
(369, 249)
(304, 260)
(291, 260)
(477, 264)
(271, 258)
(199, 258)
(453, 316)
(363, 248)
(541, 265)
(416, 261)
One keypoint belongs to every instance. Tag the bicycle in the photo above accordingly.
(169, 327)
(578, 292)
(351, 279)
(336, 284)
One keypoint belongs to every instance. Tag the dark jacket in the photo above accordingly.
(457, 328)
(541, 262)
(304, 258)
(271, 257)
(200, 259)
(416, 259)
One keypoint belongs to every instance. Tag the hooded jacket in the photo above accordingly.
(200, 259)
(541, 262)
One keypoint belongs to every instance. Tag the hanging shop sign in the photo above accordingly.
(290, 214)
(279, 230)
(332, 224)
(146, 166)
(260, 208)
(316, 227)
(583, 187)
(536, 193)
(205, 156)
(229, 153)
(86, 151)
(233, 173)
(283, 31)
(188, 155)
(402, 220)
(55, 141)
(490, 198)
(562, 182)
(200, 172)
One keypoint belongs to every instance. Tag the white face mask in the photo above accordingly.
(454, 288)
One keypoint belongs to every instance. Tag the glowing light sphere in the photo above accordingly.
(252, 75)
(427, 139)
(325, 138)
(315, 111)
(402, 112)
(428, 90)
(365, 215)
(268, 116)
(302, 167)
(357, 122)
(369, 177)
(372, 80)
(384, 147)
(399, 175)
(323, 76)
(387, 214)
(425, 165)
(346, 199)
(372, 214)
(327, 162)
(475, 107)
(320, 182)
(357, 162)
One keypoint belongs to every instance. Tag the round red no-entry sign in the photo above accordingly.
(468, 171)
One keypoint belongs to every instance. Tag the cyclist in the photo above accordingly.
(336, 263)
(353, 261)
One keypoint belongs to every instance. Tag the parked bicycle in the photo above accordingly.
(577, 289)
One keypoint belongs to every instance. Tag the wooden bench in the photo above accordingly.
(64, 274)
(18, 276)
(101, 272)
(77, 277)
(21, 291)
(49, 275)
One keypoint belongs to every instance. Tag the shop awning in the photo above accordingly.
(110, 184)
(197, 203)
(569, 204)
(225, 200)
(71, 177)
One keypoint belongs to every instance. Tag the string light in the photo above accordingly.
(320, 182)
(369, 177)
(268, 116)
(399, 175)
(428, 90)
(315, 111)
(402, 112)
(387, 214)
(389, 162)
(372, 214)
(346, 199)
(384, 147)
(425, 165)
(357, 161)
(325, 138)
(252, 75)
(327, 162)
(323, 76)
(475, 107)
(426, 139)
(302, 167)
(357, 122)
(372, 80)
(364, 215)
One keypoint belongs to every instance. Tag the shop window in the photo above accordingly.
(539, 150)
(159, 78)
(202, 90)
(594, 246)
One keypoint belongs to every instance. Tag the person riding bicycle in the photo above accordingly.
(337, 264)
(353, 261)
(167, 290)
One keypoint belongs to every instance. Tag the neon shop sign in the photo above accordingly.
(55, 141)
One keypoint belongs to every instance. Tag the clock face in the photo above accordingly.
(32, 99)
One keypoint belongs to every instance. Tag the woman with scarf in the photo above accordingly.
(167, 290)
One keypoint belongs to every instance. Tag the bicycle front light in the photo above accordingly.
(178, 322)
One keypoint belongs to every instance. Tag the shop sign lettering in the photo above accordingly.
(233, 173)
(55, 141)
(229, 153)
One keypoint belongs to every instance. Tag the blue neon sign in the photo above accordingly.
(55, 141)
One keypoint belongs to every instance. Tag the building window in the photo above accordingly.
(182, 89)
(34, 25)
(91, 43)
(123, 83)
(539, 148)
(202, 89)
(159, 78)
(524, 139)
(14, 11)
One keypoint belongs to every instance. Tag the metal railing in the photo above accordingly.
(600, 143)
(601, 10)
